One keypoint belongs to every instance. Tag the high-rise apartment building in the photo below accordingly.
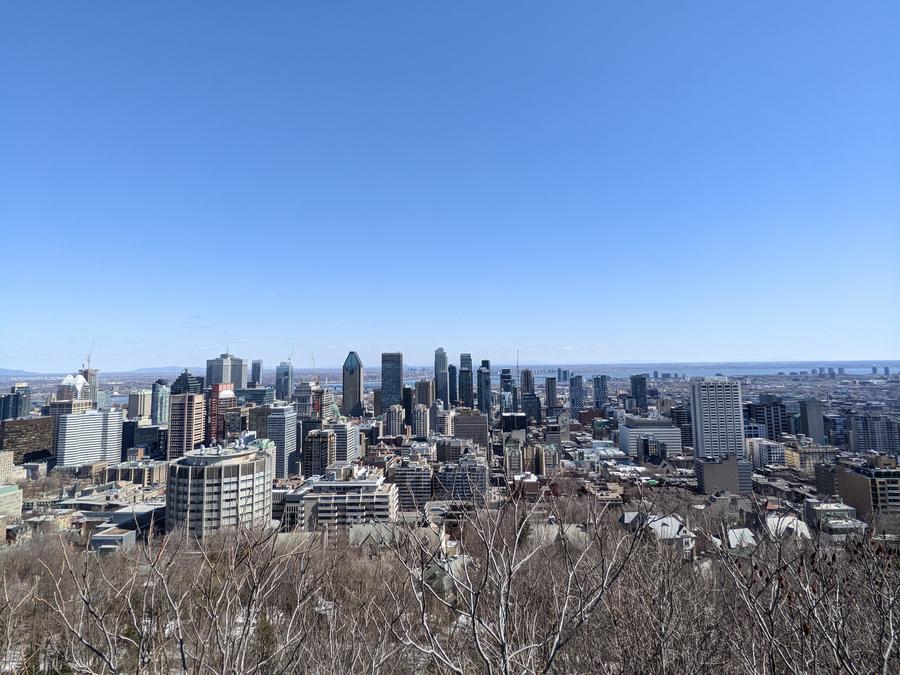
(395, 418)
(601, 391)
(284, 381)
(227, 369)
(812, 420)
(140, 404)
(420, 421)
(281, 428)
(186, 418)
(413, 480)
(216, 488)
(484, 387)
(576, 395)
(424, 392)
(717, 417)
(346, 441)
(318, 452)
(552, 400)
(159, 402)
(352, 399)
(441, 376)
(639, 392)
(391, 379)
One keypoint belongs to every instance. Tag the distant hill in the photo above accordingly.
(7, 372)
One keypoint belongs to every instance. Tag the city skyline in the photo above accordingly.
(652, 175)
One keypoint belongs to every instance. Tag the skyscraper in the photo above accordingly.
(441, 376)
(256, 372)
(186, 413)
(420, 421)
(717, 417)
(601, 390)
(391, 379)
(639, 391)
(186, 383)
(453, 393)
(17, 403)
(812, 420)
(576, 395)
(552, 402)
(466, 395)
(318, 452)
(284, 381)
(352, 400)
(346, 441)
(526, 381)
(425, 392)
(395, 420)
(484, 387)
(281, 427)
(465, 361)
(226, 369)
(159, 402)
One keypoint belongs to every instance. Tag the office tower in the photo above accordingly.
(576, 395)
(281, 428)
(601, 391)
(466, 395)
(526, 381)
(140, 404)
(681, 418)
(874, 370)
(771, 412)
(159, 402)
(471, 425)
(256, 370)
(17, 403)
(409, 402)
(221, 397)
(186, 383)
(887, 371)
(441, 376)
(812, 420)
(453, 384)
(425, 392)
(552, 402)
(391, 379)
(346, 441)
(531, 406)
(506, 380)
(88, 437)
(420, 421)
(352, 399)
(395, 420)
(318, 452)
(212, 489)
(484, 387)
(717, 417)
(227, 369)
(413, 480)
(443, 420)
(639, 392)
(186, 417)
(284, 381)
(465, 361)
(377, 408)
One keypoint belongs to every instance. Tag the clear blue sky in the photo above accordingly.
(588, 181)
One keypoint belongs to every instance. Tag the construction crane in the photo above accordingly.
(316, 370)
(90, 354)
(291, 355)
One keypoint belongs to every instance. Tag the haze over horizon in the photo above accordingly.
(589, 183)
